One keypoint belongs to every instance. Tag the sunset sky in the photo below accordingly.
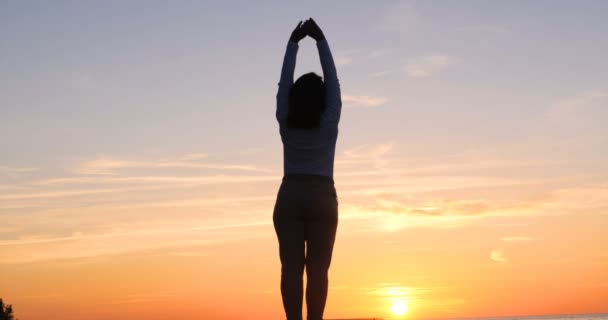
(140, 157)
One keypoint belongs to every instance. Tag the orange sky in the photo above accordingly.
(445, 244)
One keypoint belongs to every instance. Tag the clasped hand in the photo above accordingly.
(308, 28)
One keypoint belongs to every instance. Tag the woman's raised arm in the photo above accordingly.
(289, 66)
(333, 97)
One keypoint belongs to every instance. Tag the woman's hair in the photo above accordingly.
(306, 102)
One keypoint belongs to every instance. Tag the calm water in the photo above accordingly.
(598, 316)
(555, 317)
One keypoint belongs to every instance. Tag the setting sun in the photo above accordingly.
(399, 308)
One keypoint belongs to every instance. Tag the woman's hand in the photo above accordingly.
(298, 33)
(312, 29)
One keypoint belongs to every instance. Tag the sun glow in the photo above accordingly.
(399, 308)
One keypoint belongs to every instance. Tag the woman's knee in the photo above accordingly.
(295, 269)
(317, 269)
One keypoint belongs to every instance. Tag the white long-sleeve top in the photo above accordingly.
(310, 151)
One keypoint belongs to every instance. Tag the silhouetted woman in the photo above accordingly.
(306, 211)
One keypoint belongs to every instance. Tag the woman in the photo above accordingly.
(306, 211)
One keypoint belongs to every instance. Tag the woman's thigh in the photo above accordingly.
(321, 226)
(290, 227)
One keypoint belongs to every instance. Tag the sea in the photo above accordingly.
(594, 316)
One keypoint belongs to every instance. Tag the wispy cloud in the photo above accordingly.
(434, 207)
(515, 239)
(486, 28)
(374, 156)
(6, 169)
(416, 200)
(380, 73)
(363, 101)
(343, 61)
(9, 187)
(109, 165)
(15, 172)
(194, 156)
(345, 57)
(83, 81)
(138, 238)
(402, 17)
(190, 253)
(23, 240)
(377, 53)
(389, 182)
(566, 108)
(244, 201)
(372, 151)
(144, 183)
(55, 194)
(198, 180)
(429, 65)
(498, 256)
(380, 191)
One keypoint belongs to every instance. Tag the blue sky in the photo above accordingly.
(83, 78)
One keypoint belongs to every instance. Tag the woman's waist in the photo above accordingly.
(303, 177)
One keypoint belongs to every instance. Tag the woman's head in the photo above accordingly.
(306, 102)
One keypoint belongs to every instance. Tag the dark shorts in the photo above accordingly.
(306, 210)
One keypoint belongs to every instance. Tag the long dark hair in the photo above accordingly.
(306, 102)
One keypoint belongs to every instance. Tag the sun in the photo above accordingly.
(399, 308)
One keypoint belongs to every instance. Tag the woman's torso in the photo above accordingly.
(309, 151)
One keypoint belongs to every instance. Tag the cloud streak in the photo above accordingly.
(108, 165)
(7, 169)
(344, 58)
(378, 190)
(15, 172)
(377, 53)
(498, 255)
(429, 65)
(515, 239)
(363, 101)
(565, 109)
(403, 17)
(108, 242)
(160, 182)
(198, 180)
